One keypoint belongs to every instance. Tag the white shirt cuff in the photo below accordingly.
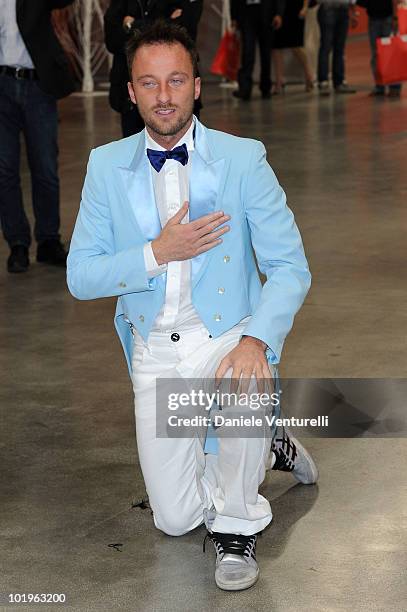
(152, 267)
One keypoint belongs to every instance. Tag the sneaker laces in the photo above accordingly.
(285, 452)
(230, 543)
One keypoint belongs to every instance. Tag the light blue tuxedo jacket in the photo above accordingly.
(118, 215)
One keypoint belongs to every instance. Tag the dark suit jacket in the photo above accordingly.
(51, 64)
(269, 8)
(144, 12)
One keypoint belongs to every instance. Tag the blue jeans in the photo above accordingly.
(333, 22)
(24, 107)
(378, 28)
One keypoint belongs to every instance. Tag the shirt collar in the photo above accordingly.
(188, 139)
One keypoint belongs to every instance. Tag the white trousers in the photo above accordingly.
(187, 487)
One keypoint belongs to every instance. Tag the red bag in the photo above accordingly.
(227, 59)
(391, 59)
(402, 20)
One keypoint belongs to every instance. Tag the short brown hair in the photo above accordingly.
(161, 33)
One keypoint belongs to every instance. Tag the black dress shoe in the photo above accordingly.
(52, 252)
(394, 93)
(240, 95)
(18, 260)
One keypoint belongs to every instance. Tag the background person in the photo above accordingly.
(291, 36)
(33, 75)
(191, 16)
(333, 19)
(121, 19)
(383, 22)
(256, 20)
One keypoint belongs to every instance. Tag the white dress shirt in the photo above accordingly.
(171, 190)
(13, 51)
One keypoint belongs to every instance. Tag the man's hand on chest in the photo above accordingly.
(180, 241)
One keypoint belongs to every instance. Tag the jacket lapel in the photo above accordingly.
(138, 188)
(205, 190)
(207, 181)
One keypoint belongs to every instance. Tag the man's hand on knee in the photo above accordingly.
(247, 359)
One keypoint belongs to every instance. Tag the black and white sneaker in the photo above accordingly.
(291, 456)
(236, 566)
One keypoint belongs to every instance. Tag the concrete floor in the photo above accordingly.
(68, 456)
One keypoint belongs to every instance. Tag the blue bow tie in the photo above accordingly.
(158, 158)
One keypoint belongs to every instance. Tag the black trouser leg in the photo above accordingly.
(339, 43)
(265, 41)
(14, 221)
(248, 38)
(41, 137)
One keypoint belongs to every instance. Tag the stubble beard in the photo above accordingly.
(169, 129)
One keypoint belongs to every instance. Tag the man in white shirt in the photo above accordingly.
(167, 222)
(34, 74)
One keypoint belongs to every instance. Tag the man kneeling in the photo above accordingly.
(168, 222)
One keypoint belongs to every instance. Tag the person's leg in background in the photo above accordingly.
(198, 104)
(387, 29)
(190, 18)
(264, 34)
(338, 52)
(247, 29)
(301, 56)
(278, 67)
(14, 222)
(326, 21)
(375, 31)
(41, 137)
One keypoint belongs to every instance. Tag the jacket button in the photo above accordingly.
(217, 317)
(221, 290)
(122, 284)
(226, 259)
(175, 337)
(141, 317)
